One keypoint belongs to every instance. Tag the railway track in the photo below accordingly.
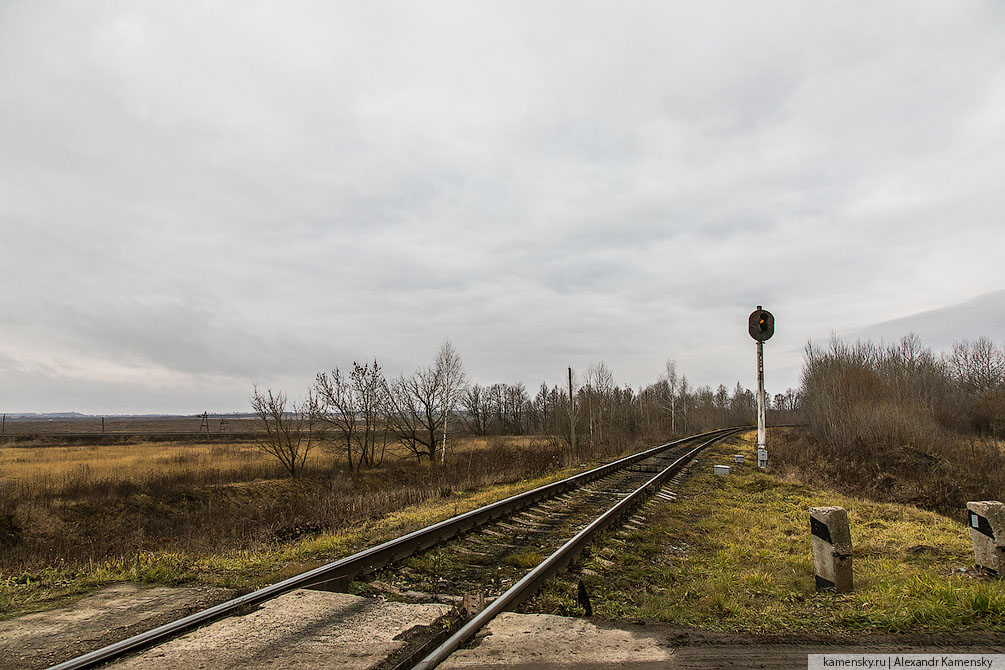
(499, 554)
(489, 559)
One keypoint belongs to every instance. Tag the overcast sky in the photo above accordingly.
(200, 196)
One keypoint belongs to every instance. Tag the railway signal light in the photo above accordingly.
(761, 324)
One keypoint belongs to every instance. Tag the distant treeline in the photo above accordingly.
(670, 406)
(357, 412)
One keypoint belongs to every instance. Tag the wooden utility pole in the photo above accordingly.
(572, 414)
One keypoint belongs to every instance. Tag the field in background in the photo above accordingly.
(15, 427)
(34, 471)
(38, 469)
(76, 516)
(75, 505)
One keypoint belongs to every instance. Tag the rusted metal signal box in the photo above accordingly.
(761, 325)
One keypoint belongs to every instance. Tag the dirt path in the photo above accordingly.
(307, 629)
(553, 642)
(302, 629)
(101, 618)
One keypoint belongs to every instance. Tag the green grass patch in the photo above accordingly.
(527, 558)
(733, 554)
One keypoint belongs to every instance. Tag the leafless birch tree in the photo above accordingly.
(669, 385)
(451, 378)
(423, 401)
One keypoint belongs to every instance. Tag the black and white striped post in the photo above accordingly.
(987, 531)
(831, 549)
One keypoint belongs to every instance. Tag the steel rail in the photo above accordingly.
(533, 580)
(338, 573)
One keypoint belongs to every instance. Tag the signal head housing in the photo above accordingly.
(761, 324)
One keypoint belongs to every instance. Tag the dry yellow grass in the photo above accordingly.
(42, 468)
(46, 466)
(463, 444)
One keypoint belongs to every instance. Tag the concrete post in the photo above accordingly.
(831, 549)
(761, 423)
(987, 532)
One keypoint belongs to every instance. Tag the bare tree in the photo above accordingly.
(476, 410)
(502, 409)
(572, 409)
(357, 407)
(598, 390)
(669, 385)
(451, 379)
(417, 412)
(978, 365)
(289, 430)
(683, 391)
(791, 398)
(516, 409)
(781, 404)
(538, 410)
(423, 402)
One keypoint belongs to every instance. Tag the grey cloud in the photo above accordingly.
(983, 316)
(51, 388)
(230, 193)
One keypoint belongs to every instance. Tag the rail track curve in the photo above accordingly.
(652, 463)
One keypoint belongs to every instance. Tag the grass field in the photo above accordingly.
(45, 587)
(33, 471)
(733, 554)
(146, 510)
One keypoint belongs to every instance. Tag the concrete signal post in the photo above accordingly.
(761, 326)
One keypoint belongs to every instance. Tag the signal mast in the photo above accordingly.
(761, 326)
